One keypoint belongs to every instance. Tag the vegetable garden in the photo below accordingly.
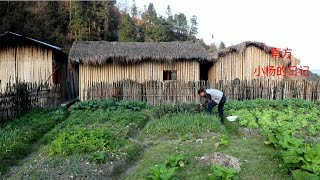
(107, 139)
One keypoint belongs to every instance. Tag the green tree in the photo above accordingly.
(159, 31)
(14, 15)
(222, 45)
(170, 19)
(180, 27)
(169, 24)
(134, 9)
(153, 27)
(127, 30)
(77, 25)
(111, 21)
(193, 27)
(60, 23)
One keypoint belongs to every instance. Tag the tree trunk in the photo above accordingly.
(106, 20)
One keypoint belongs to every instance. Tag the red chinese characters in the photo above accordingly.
(282, 71)
(287, 53)
(304, 70)
(277, 53)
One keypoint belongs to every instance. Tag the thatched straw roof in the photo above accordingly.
(99, 52)
(239, 48)
(242, 47)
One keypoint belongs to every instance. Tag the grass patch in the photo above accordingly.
(17, 135)
(259, 161)
(103, 131)
(182, 124)
(173, 109)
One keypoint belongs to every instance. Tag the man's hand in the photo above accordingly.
(200, 106)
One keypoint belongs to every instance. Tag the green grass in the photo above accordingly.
(259, 161)
(18, 135)
(181, 124)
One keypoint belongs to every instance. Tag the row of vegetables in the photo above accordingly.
(291, 126)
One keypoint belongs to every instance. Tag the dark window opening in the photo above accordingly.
(204, 70)
(170, 75)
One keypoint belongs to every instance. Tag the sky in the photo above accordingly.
(292, 24)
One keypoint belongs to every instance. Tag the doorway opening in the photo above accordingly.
(204, 70)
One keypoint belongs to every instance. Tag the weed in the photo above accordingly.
(99, 157)
(185, 137)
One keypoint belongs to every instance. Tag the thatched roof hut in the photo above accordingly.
(241, 47)
(101, 52)
(242, 60)
(101, 61)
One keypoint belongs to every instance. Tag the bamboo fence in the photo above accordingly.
(22, 97)
(172, 92)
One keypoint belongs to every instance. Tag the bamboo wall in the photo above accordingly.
(242, 65)
(140, 72)
(26, 63)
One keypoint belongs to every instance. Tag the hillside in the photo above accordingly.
(316, 71)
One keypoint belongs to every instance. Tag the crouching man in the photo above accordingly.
(213, 97)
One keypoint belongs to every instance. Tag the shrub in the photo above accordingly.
(99, 157)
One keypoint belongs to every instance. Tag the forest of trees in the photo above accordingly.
(62, 22)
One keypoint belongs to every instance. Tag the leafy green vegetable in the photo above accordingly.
(175, 161)
(161, 172)
(223, 173)
(224, 139)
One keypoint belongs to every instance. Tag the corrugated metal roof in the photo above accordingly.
(34, 40)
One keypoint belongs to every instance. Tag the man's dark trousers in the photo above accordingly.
(212, 104)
